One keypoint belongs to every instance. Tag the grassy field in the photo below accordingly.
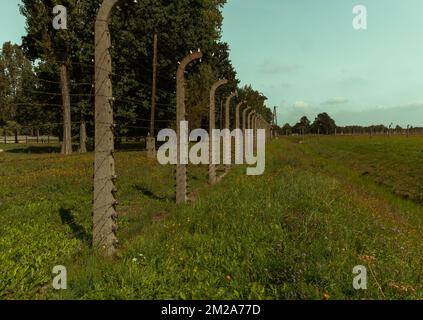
(323, 206)
(394, 162)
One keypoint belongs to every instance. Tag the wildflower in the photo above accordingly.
(368, 258)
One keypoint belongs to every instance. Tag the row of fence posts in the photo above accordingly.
(27, 139)
(405, 132)
(105, 202)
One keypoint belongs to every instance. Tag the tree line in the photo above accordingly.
(325, 125)
(50, 77)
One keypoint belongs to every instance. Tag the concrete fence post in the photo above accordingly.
(228, 110)
(238, 115)
(245, 125)
(254, 125)
(212, 126)
(249, 139)
(181, 167)
(239, 135)
(228, 120)
(104, 214)
(250, 120)
(244, 119)
(262, 125)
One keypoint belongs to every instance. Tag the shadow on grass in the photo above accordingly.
(35, 150)
(148, 193)
(140, 146)
(78, 230)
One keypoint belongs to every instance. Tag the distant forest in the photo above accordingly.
(325, 125)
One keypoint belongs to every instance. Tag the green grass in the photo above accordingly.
(394, 162)
(294, 233)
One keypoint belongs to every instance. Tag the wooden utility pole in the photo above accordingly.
(151, 140)
(104, 214)
(212, 126)
(181, 167)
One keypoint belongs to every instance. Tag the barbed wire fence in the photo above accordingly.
(107, 127)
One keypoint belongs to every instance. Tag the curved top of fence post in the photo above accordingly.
(250, 119)
(187, 60)
(227, 109)
(181, 69)
(105, 11)
(238, 106)
(246, 110)
(213, 89)
(237, 115)
(216, 86)
(230, 97)
(180, 84)
(244, 118)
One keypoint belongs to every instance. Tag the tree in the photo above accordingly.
(303, 127)
(324, 124)
(16, 79)
(55, 47)
(287, 129)
(257, 101)
(181, 26)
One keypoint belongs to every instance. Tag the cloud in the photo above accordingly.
(386, 115)
(336, 101)
(301, 104)
(274, 69)
(413, 105)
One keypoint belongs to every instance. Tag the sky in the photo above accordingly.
(12, 24)
(306, 57)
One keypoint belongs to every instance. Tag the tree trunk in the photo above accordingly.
(82, 137)
(16, 135)
(67, 133)
(37, 132)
